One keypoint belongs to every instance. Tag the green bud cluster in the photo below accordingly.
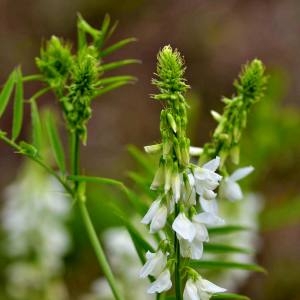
(250, 88)
(76, 78)
(55, 62)
(173, 119)
(77, 103)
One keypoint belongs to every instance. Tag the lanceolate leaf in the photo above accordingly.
(222, 248)
(207, 264)
(227, 229)
(7, 91)
(18, 106)
(118, 64)
(229, 296)
(116, 46)
(55, 142)
(141, 158)
(36, 125)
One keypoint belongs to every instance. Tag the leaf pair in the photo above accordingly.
(14, 80)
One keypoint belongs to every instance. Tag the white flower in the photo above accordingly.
(184, 228)
(190, 291)
(176, 183)
(151, 212)
(156, 215)
(194, 248)
(195, 151)
(155, 264)
(159, 178)
(208, 219)
(229, 188)
(206, 179)
(159, 220)
(161, 284)
(201, 289)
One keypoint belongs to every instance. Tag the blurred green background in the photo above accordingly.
(215, 37)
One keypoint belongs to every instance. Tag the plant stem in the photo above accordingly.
(177, 263)
(75, 143)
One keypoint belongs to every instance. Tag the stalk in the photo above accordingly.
(177, 262)
(75, 155)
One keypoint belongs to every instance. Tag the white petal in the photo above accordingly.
(209, 287)
(151, 212)
(196, 151)
(155, 264)
(159, 219)
(191, 179)
(209, 194)
(176, 186)
(184, 227)
(153, 148)
(241, 173)
(196, 249)
(231, 190)
(158, 178)
(208, 219)
(190, 291)
(201, 232)
(168, 179)
(213, 164)
(210, 206)
(185, 248)
(161, 284)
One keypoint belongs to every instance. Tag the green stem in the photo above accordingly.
(75, 144)
(37, 160)
(177, 263)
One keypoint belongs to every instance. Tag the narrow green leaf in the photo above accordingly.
(114, 79)
(220, 230)
(7, 91)
(18, 106)
(118, 64)
(103, 32)
(55, 142)
(116, 46)
(95, 179)
(141, 242)
(223, 248)
(110, 87)
(207, 264)
(229, 296)
(141, 158)
(134, 199)
(36, 125)
(140, 180)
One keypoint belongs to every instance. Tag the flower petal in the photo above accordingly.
(195, 151)
(161, 284)
(184, 227)
(231, 190)
(241, 173)
(209, 287)
(151, 212)
(154, 265)
(210, 206)
(208, 219)
(190, 291)
(213, 164)
(159, 219)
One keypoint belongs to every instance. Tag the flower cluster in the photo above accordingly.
(186, 192)
(35, 248)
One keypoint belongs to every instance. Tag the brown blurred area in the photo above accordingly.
(215, 37)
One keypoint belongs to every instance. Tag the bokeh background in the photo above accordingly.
(216, 38)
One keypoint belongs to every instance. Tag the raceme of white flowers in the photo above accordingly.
(33, 218)
(186, 192)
